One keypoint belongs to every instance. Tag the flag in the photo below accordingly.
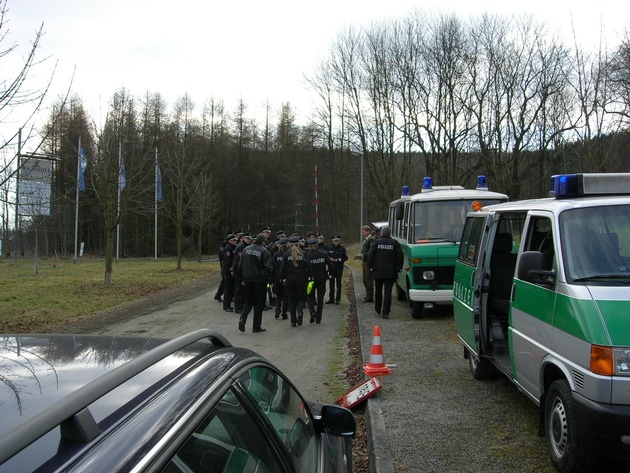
(158, 183)
(82, 165)
(122, 176)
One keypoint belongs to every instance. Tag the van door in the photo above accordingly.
(533, 302)
(468, 285)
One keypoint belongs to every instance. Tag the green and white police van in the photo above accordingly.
(428, 226)
(542, 295)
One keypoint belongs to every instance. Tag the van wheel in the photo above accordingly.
(481, 368)
(401, 295)
(563, 442)
(416, 309)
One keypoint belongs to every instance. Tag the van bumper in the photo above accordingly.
(443, 296)
(601, 426)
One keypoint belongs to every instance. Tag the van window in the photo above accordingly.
(596, 243)
(540, 238)
(471, 240)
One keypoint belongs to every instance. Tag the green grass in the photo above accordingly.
(62, 292)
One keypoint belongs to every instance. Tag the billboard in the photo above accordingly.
(35, 184)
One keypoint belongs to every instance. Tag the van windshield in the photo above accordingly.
(596, 243)
(441, 219)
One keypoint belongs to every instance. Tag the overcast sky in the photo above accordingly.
(257, 51)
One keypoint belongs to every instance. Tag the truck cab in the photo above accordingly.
(428, 225)
(542, 296)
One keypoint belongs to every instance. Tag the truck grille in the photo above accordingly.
(443, 275)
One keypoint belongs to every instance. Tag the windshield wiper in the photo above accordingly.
(595, 277)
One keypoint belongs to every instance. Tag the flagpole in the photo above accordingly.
(118, 203)
(156, 203)
(76, 208)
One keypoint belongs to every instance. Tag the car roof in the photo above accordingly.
(79, 382)
(556, 205)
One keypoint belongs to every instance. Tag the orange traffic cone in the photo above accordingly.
(376, 365)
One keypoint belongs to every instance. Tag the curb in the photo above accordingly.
(380, 458)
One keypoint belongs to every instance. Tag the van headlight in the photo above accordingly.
(622, 361)
(428, 275)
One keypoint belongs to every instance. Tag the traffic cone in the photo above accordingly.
(376, 365)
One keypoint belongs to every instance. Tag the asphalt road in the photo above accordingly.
(430, 416)
(308, 355)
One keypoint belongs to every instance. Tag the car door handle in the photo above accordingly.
(513, 292)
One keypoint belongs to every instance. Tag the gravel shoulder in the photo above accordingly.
(432, 416)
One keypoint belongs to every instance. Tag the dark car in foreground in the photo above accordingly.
(192, 404)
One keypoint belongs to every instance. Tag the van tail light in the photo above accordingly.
(602, 360)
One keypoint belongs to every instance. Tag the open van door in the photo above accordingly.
(469, 293)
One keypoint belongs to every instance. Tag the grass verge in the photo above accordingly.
(62, 292)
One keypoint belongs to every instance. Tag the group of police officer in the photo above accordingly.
(292, 270)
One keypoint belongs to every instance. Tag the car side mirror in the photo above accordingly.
(338, 421)
(530, 266)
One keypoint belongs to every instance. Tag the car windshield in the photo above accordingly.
(596, 244)
(441, 219)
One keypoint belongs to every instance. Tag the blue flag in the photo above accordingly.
(158, 183)
(82, 166)
(122, 176)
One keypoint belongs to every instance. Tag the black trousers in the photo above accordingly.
(318, 292)
(383, 295)
(228, 295)
(254, 294)
(296, 290)
(335, 285)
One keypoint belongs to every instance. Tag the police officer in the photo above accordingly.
(279, 289)
(239, 289)
(385, 260)
(339, 256)
(221, 289)
(255, 269)
(296, 273)
(226, 272)
(321, 265)
(368, 279)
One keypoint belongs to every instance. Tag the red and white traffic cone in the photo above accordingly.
(376, 366)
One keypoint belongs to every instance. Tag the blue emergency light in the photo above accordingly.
(482, 184)
(427, 184)
(580, 185)
(405, 192)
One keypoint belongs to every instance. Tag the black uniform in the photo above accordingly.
(339, 256)
(385, 260)
(226, 273)
(239, 289)
(255, 269)
(296, 277)
(321, 265)
(279, 289)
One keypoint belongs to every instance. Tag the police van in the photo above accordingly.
(542, 295)
(428, 225)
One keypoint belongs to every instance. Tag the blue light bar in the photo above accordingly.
(405, 192)
(427, 184)
(482, 185)
(580, 185)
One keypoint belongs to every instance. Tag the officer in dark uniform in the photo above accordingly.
(296, 273)
(255, 269)
(239, 289)
(321, 265)
(339, 256)
(226, 272)
(385, 260)
(221, 289)
(279, 289)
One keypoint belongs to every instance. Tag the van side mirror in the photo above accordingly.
(529, 269)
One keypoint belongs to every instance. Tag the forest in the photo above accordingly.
(424, 95)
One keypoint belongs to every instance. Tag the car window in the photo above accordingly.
(287, 412)
(228, 440)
